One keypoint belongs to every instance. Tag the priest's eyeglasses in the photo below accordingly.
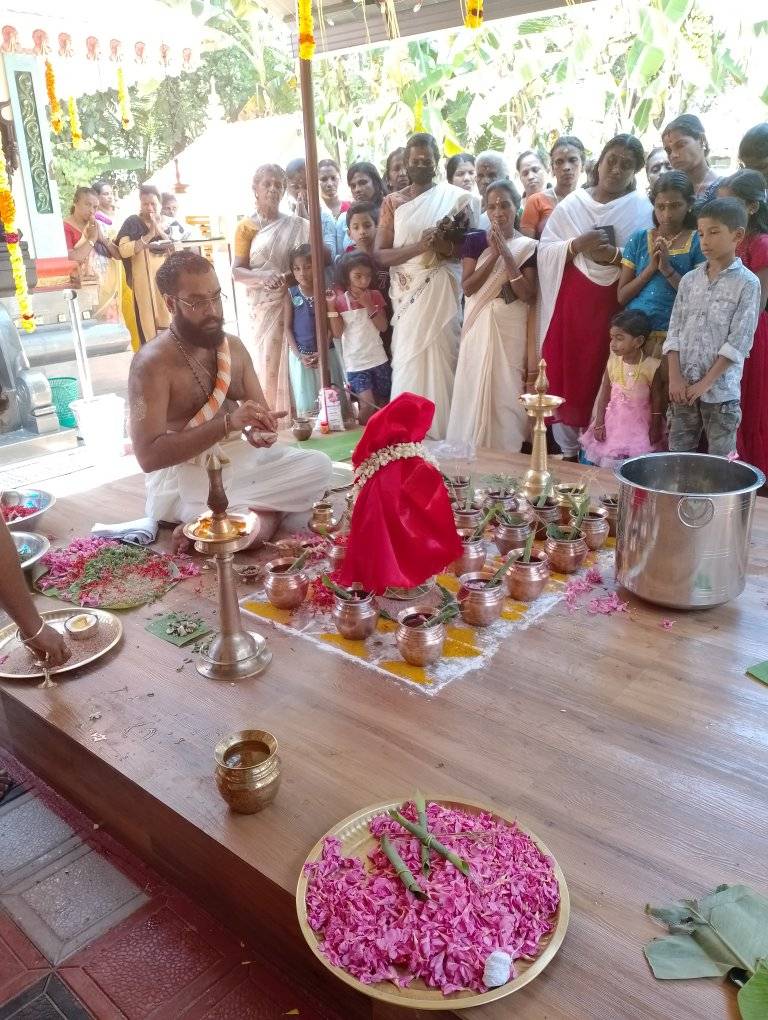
(202, 304)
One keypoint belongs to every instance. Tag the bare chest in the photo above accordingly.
(191, 384)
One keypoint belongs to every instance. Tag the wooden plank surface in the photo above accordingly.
(636, 753)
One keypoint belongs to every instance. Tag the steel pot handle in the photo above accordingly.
(695, 511)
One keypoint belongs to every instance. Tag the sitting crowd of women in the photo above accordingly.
(464, 282)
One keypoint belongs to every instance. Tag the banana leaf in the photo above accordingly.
(723, 932)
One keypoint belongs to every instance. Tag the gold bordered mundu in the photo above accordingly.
(539, 405)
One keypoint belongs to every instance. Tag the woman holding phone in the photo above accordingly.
(579, 260)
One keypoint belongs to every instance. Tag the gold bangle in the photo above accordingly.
(514, 279)
(333, 315)
(227, 427)
(569, 249)
(38, 632)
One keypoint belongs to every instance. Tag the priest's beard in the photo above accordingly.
(207, 333)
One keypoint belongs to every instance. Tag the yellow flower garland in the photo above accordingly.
(12, 239)
(124, 101)
(74, 124)
(306, 30)
(53, 100)
(474, 17)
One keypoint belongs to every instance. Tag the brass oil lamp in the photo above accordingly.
(234, 653)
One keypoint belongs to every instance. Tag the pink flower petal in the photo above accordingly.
(607, 606)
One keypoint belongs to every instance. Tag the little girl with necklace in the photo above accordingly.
(655, 260)
(300, 335)
(629, 413)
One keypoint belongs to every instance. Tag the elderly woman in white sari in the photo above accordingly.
(499, 281)
(579, 262)
(425, 278)
(263, 243)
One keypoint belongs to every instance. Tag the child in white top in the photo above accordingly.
(357, 315)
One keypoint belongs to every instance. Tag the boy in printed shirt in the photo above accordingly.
(710, 334)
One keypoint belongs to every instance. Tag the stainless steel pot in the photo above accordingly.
(682, 535)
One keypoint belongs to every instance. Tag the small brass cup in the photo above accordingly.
(302, 429)
(323, 520)
(248, 770)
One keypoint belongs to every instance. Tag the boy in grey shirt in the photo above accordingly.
(710, 334)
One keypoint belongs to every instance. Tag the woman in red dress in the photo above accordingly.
(752, 441)
(579, 261)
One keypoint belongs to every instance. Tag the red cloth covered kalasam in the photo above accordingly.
(402, 530)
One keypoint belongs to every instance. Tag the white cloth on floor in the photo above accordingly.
(139, 532)
(280, 478)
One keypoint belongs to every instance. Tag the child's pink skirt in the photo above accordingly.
(627, 423)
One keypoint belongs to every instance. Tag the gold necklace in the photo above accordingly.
(671, 241)
(189, 358)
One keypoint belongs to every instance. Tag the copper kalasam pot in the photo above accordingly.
(566, 555)
(356, 618)
(472, 556)
(526, 581)
(595, 527)
(480, 602)
(420, 646)
(284, 590)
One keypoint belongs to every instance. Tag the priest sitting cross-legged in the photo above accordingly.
(193, 388)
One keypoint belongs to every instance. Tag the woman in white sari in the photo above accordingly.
(263, 243)
(499, 280)
(579, 262)
(425, 279)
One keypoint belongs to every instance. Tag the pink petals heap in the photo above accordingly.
(101, 571)
(606, 605)
(377, 931)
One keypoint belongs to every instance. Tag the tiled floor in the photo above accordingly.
(86, 930)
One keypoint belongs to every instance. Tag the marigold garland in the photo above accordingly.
(124, 101)
(53, 100)
(13, 240)
(306, 30)
(74, 124)
(474, 17)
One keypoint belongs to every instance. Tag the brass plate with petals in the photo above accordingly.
(357, 841)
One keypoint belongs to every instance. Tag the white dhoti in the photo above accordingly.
(281, 479)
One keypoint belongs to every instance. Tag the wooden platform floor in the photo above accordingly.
(637, 753)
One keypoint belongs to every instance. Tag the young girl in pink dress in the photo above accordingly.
(628, 418)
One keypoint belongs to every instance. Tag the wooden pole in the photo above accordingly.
(315, 224)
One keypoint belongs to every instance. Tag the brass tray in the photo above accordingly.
(356, 841)
(83, 652)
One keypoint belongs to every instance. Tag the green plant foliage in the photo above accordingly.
(632, 67)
